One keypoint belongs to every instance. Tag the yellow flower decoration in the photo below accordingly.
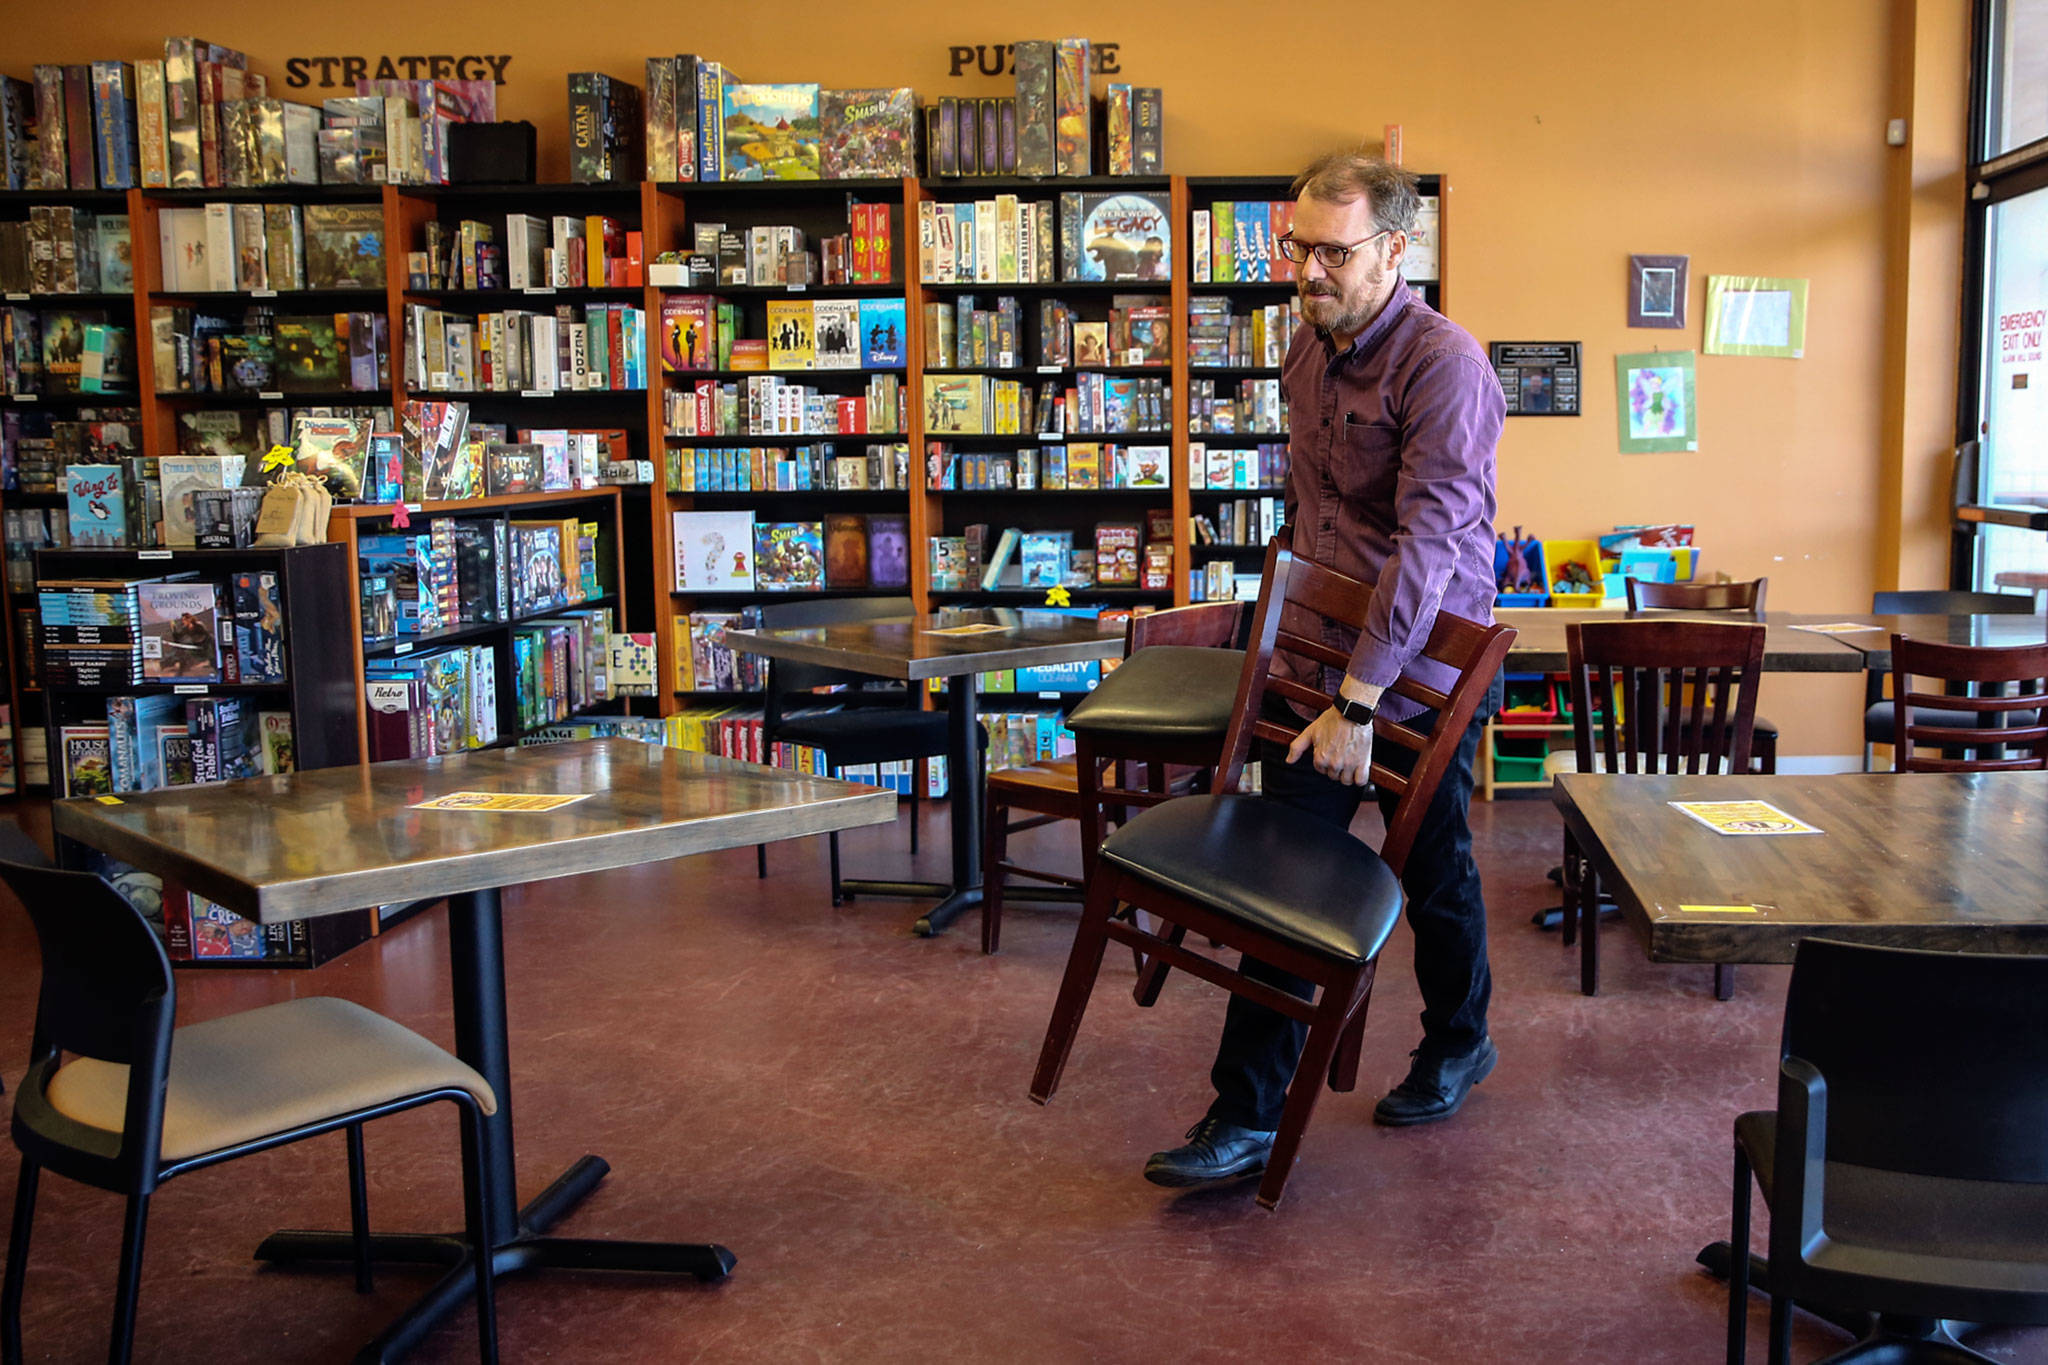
(1058, 597)
(280, 457)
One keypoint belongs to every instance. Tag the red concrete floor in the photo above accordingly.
(844, 1106)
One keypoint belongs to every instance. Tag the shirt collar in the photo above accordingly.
(1376, 329)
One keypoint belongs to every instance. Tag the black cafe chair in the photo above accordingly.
(1880, 720)
(117, 1098)
(1904, 1168)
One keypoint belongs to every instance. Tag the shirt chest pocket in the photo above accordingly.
(1366, 461)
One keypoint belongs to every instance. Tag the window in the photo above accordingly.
(2016, 75)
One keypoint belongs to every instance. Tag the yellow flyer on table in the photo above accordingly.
(501, 801)
(1743, 817)
(971, 628)
(1839, 628)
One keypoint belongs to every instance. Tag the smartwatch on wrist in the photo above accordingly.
(1357, 712)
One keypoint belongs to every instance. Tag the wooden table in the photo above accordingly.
(1539, 645)
(1947, 861)
(318, 843)
(1876, 645)
(911, 649)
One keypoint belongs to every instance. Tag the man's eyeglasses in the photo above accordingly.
(1328, 254)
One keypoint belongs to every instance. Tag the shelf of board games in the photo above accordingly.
(312, 589)
(349, 522)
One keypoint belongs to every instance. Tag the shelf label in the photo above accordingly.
(271, 396)
(152, 554)
(403, 647)
(540, 289)
(27, 397)
(796, 288)
(190, 689)
(1050, 369)
(17, 298)
(262, 293)
(535, 393)
(415, 507)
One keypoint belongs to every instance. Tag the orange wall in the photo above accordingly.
(1747, 134)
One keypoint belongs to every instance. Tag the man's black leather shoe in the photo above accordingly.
(1215, 1151)
(1436, 1086)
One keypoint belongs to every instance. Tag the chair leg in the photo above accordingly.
(476, 1207)
(1152, 971)
(128, 1287)
(1307, 1085)
(1738, 1263)
(832, 848)
(995, 848)
(1344, 1067)
(1589, 930)
(761, 861)
(1764, 753)
(358, 1207)
(1724, 981)
(17, 1263)
(1075, 987)
(1569, 874)
(913, 819)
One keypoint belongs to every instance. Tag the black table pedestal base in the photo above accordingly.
(528, 1249)
(1718, 1256)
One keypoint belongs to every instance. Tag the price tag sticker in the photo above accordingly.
(540, 289)
(403, 647)
(190, 689)
(152, 554)
(27, 397)
(262, 293)
(17, 298)
(1050, 369)
(271, 395)
(534, 393)
(796, 288)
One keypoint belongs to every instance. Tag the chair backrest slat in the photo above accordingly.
(1933, 1061)
(1475, 651)
(1202, 625)
(1995, 683)
(1689, 690)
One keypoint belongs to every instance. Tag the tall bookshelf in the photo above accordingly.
(665, 215)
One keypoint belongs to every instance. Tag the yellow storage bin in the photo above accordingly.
(1558, 555)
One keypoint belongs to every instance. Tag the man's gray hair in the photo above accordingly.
(1340, 177)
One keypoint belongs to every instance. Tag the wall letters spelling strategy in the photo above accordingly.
(300, 72)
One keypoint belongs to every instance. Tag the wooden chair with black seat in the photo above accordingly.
(1165, 710)
(1254, 876)
(1745, 596)
(1880, 717)
(865, 725)
(1903, 1168)
(1984, 713)
(139, 1101)
(1664, 696)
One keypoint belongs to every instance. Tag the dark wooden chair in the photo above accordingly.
(118, 1099)
(864, 725)
(1166, 711)
(1672, 697)
(1989, 703)
(1745, 596)
(1903, 1167)
(1879, 715)
(1254, 876)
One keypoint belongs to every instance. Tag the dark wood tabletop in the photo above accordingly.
(335, 839)
(912, 649)
(1539, 639)
(1876, 645)
(1944, 861)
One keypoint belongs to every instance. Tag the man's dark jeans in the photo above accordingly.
(1260, 1047)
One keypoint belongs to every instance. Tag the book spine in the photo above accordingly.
(586, 122)
(1148, 121)
(78, 121)
(152, 149)
(661, 118)
(710, 121)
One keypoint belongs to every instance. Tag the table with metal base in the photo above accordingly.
(914, 650)
(245, 845)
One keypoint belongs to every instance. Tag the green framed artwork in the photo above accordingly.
(1655, 404)
(1755, 315)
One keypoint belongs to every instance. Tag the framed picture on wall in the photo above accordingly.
(1656, 290)
(1755, 315)
(1655, 406)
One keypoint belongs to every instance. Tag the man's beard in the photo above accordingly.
(1331, 312)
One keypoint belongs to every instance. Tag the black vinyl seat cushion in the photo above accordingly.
(1880, 721)
(1168, 692)
(1306, 883)
(868, 734)
(1995, 1224)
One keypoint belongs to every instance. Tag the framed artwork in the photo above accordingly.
(1755, 315)
(1655, 402)
(1657, 287)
